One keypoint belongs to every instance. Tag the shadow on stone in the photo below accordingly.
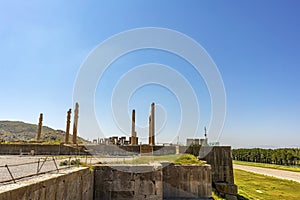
(240, 197)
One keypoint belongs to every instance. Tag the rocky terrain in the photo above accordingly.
(12, 131)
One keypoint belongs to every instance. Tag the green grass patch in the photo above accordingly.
(183, 159)
(187, 159)
(216, 197)
(256, 186)
(271, 166)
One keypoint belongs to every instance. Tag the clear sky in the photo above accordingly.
(255, 45)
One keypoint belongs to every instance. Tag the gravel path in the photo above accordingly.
(294, 176)
(21, 166)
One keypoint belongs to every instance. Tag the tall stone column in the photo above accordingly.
(150, 131)
(68, 126)
(133, 134)
(39, 133)
(152, 125)
(75, 123)
(133, 139)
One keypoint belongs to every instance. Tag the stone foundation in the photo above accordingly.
(119, 181)
(110, 183)
(226, 190)
(77, 184)
(41, 149)
(128, 182)
(186, 181)
(220, 160)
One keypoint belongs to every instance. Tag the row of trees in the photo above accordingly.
(284, 156)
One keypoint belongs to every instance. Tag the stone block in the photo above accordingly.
(5, 195)
(186, 181)
(226, 188)
(123, 184)
(230, 197)
(75, 185)
(121, 181)
(122, 194)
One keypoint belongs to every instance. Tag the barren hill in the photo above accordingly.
(21, 131)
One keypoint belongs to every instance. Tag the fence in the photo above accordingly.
(10, 173)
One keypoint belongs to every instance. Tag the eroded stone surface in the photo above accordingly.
(76, 183)
(128, 182)
(186, 181)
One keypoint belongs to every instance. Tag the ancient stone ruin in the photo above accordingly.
(133, 140)
(120, 181)
(68, 126)
(40, 125)
(152, 126)
(75, 123)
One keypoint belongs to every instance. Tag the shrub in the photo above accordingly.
(188, 159)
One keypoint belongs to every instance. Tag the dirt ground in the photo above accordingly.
(21, 166)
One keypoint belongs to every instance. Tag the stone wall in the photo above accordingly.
(118, 181)
(186, 181)
(128, 182)
(75, 185)
(220, 159)
(40, 149)
(164, 150)
(191, 149)
(113, 150)
(102, 149)
(152, 181)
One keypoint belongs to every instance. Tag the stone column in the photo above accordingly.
(152, 124)
(75, 123)
(133, 139)
(150, 131)
(39, 133)
(133, 124)
(68, 126)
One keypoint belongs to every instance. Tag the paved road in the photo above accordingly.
(295, 176)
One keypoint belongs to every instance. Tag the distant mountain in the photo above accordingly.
(20, 131)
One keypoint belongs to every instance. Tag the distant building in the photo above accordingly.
(214, 144)
(196, 141)
(112, 140)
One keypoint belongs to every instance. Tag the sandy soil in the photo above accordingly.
(295, 176)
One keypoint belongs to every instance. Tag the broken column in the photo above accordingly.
(152, 123)
(68, 126)
(150, 137)
(133, 139)
(39, 133)
(152, 126)
(75, 123)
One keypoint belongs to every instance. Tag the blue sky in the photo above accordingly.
(255, 45)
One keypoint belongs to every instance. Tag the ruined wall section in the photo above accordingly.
(187, 182)
(77, 184)
(40, 149)
(128, 182)
(220, 160)
(117, 181)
